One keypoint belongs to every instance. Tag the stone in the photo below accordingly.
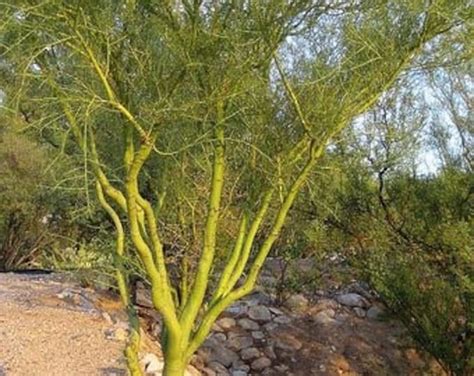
(239, 343)
(282, 368)
(226, 323)
(239, 372)
(250, 353)
(248, 324)
(219, 369)
(151, 364)
(274, 266)
(297, 303)
(276, 311)
(270, 326)
(324, 317)
(220, 337)
(353, 300)
(269, 352)
(258, 298)
(107, 318)
(219, 354)
(208, 371)
(240, 365)
(261, 363)
(117, 334)
(259, 313)
(235, 309)
(360, 312)
(375, 312)
(287, 342)
(258, 335)
(284, 320)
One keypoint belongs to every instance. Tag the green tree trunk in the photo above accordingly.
(175, 364)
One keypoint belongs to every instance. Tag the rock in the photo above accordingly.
(260, 313)
(270, 326)
(361, 288)
(152, 364)
(276, 311)
(287, 342)
(239, 343)
(219, 354)
(248, 324)
(77, 298)
(258, 335)
(236, 309)
(282, 368)
(297, 303)
(268, 281)
(197, 361)
(240, 365)
(274, 266)
(220, 337)
(282, 320)
(249, 353)
(107, 318)
(261, 363)
(208, 371)
(117, 334)
(305, 265)
(226, 323)
(360, 312)
(239, 372)
(375, 312)
(324, 317)
(219, 369)
(143, 295)
(269, 352)
(353, 300)
(258, 298)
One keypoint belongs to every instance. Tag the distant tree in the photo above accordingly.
(232, 102)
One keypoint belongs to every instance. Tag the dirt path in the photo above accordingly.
(49, 327)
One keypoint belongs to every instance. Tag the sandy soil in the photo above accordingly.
(48, 327)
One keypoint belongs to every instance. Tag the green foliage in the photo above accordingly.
(413, 243)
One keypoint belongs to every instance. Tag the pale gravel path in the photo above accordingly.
(42, 334)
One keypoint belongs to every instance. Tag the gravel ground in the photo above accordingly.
(52, 327)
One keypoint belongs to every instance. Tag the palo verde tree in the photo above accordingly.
(215, 109)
